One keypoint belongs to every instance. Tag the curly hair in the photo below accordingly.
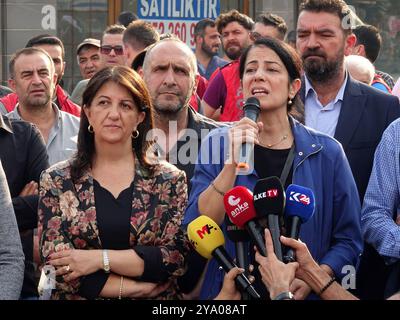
(234, 16)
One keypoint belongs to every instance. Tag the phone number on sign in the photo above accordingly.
(184, 30)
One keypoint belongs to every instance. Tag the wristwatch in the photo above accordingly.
(284, 296)
(106, 262)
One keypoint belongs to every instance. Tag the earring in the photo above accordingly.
(135, 134)
(290, 102)
(90, 128)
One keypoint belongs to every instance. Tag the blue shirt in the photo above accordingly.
(319, 117)
(215, 62)
(333, 235)
(382, 197)
(381, 87)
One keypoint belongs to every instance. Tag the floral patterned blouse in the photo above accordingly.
(67, 219)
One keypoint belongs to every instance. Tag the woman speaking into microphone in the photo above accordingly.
(271, 72)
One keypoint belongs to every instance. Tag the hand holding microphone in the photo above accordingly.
(243, 135)
(208, 240)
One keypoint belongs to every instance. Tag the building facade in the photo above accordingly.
(75, 20)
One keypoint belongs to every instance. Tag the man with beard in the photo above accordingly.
(352, 112)
(208, 43)
(169, 71)
(223, 97)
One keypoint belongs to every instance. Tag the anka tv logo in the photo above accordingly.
(233, 201)
(239, 207)
(301, 198)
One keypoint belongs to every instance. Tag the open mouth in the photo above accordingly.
(259, 92)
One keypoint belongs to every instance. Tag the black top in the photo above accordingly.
(270, 163)
(113, 220)
(23, 156)
(113, 215)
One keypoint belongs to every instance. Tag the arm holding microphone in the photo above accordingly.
(241, 134)
(229, 290)
(278, 276)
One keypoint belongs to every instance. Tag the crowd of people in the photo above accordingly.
(101, 185)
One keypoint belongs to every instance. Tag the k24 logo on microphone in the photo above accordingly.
(233, 201)
(298, 197)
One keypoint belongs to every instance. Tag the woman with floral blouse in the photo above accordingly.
(109, 220)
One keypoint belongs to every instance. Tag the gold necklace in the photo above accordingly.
(276, 143)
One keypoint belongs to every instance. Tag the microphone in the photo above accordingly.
(208, 240)
(269, 201)
(251, 110)
(239, 206)
(300, 206)
(238, 236)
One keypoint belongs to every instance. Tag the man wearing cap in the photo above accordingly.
(88, 55)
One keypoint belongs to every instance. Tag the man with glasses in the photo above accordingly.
(112, 47)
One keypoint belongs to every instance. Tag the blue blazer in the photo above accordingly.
(364, 116)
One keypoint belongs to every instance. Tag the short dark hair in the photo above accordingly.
(234, 16)
(140, 34)
(370, 37)
(114, 29)
(129, 79)
(200, 27)
(46, 39)
(286, 53)
(26, 52)
(273, 20)
(336, 7)
(126, 17)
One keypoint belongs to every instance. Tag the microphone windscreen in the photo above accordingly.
(252, 108)
(235, 233)
(239, 205)
(205, 236)
(269, 197)
(300, 202)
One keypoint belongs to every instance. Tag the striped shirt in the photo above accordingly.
(379, 213)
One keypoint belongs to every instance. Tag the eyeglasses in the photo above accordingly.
(119, 50)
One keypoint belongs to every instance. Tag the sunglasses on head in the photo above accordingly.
(119, 50)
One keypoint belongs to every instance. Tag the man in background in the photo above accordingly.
(207, 46)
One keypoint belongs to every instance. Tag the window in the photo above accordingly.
(385, 15)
